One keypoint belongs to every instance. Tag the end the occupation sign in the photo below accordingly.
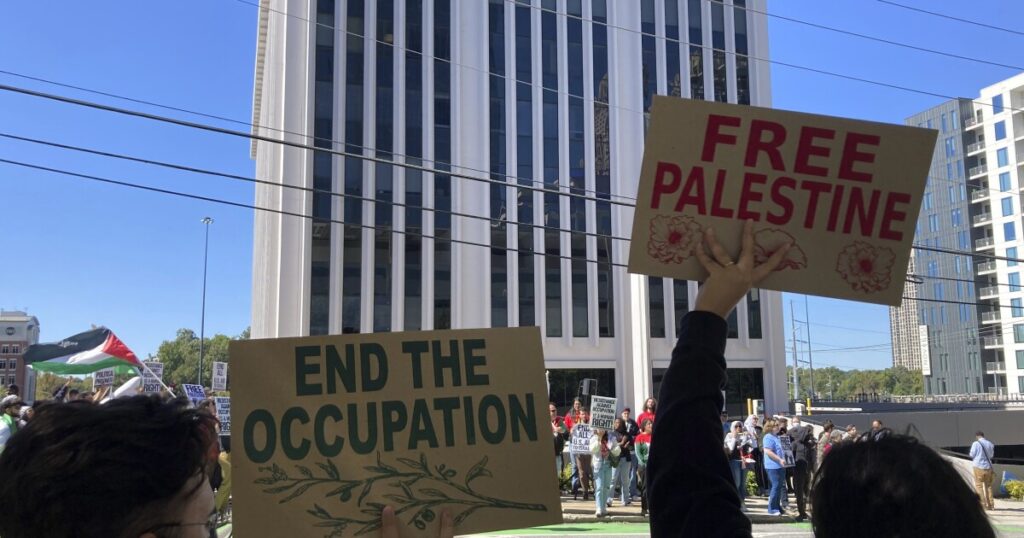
(846, 193)
(329, 430)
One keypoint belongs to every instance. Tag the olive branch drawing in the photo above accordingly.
(421, 502)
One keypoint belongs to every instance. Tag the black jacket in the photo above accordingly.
(691, 488)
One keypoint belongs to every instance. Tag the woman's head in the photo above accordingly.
(648, 425)
(772, 426)
(736, 427)
(900, 486)
(618, 425)
(828, 426)
(577, 404)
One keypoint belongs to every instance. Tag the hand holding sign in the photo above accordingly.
(729, 281)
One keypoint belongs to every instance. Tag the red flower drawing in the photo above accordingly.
(673, 239)
(866, 268)
(768, 240)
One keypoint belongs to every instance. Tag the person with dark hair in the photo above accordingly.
(879, 431)
(823, 439)
(982, 452)
(896, 486)
(632, 430)
(10, 412)
(804, 454)
(642, 444)
(13, 390)
(604, 450)
(582, 463)
(156, 450)
(622, 470)
(648, 413)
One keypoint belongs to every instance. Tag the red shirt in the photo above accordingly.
(643, 438)
(644, 416)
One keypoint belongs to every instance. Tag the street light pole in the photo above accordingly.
(202, 323)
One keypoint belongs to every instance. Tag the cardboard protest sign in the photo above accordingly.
(223, 405)
(151, 377)
(103, 378)
(220, 376)
(846, 193)
(602, 412)
(787, 450)
(333, 428)
(580, 439)
(195, 393)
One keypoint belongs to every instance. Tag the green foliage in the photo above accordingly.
(751, 483)
(48, 382)
(181, 356)
(1016, 489)
(846, 384)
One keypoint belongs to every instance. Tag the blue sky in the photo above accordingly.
(80, 253)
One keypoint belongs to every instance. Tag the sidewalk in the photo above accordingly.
(1008, 513)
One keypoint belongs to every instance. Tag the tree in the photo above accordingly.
(47, 383)
(181, 356)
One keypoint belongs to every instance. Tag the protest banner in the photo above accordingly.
(103, 378)
(195, 393)
(580, 439)
(845, 193)
(151, 377)
(223, 405)
(787, 450)
(220, 376)
(333, 428)
(602, 412)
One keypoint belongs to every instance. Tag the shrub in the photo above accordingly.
(1016, 489)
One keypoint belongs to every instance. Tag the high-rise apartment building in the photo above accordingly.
(905, 327)
(493, 148)
(972, 203)
(996, 152)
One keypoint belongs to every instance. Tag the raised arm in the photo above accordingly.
(692, 492)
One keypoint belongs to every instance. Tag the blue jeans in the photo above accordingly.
(778, 480)
(602, 483)
(621, 477)
(736, 466)
(574, 476)
(632, 479)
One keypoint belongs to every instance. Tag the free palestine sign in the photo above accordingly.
(328, 430)
(846, 193)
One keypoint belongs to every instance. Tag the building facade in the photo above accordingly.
(476, 164)
(904, 325)
(18, 330)
(996, 153)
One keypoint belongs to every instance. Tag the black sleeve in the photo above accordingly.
(691, 487)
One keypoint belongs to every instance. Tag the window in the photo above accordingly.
(1020, 360)
(950, 147)
(1002, 157)
(1009, 232)
(956, 218)
(952, 194)
(1018, 333)
(754, 313)
(943, 122)
(1014, 279)
(1007, 204)
(1020, 384)
(928, 200)
(1017, 309)
(1012, 254)
(12, 364)
(949, 171)
(681, 299)
(1000, 130)
(953, 119)
(1004, 182)
(15, 348)
(933, 223)
(656, 292)
(997, 104)
(5, 350)
(3, 364)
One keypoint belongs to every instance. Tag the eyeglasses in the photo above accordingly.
(210, 524)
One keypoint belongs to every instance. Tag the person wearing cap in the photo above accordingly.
(10, 411)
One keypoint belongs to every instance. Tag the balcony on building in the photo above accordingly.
(979, 170)
(981, 194)
(972, 122)
(995, 367)
(982, 218)
(990, 317)
(990, 342)
(988, 292)
(986, 267)
(976, 147)
(984, 242)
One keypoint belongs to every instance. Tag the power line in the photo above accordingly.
(873, 38)
(250, 136)
(360, 225)
(334, 143)
(257, 181)
(816, 324)
(181, 194)
(951, 17)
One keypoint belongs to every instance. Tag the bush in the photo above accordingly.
(1016, 489)
(751, 483)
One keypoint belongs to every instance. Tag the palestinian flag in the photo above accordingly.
(83, 353)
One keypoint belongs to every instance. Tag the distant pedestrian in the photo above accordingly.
(650, 408)
(13, 390)
(632, 430)
(879, 431)
(558, 433)
(823, 439)
(804, 453)
(737, 445)
(622, 472)
(583, 463)
(725, 422)
(982, 452)
(851, 433)
(642, 445)
(604, 450)
(775, 466)
(10, 410)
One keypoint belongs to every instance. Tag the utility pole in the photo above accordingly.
(207, 221)
(810, 357)
(796, 378)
